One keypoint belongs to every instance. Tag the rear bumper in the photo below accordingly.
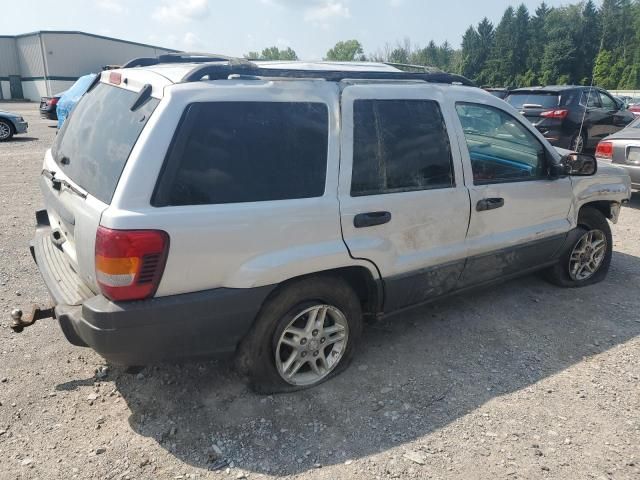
(634, 173)
(140, 332)
(177, 326)
(49, 114)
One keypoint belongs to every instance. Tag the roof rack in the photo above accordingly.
(182, 57)
(244, 69)
(408, 67)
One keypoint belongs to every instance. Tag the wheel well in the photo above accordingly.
(603, 206)
(360, 279)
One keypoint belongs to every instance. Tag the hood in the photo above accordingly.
(8, 114)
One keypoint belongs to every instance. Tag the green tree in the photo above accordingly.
(346, 51)
(273, 53)
(500, 68)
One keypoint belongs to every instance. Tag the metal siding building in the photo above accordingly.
(44, 63)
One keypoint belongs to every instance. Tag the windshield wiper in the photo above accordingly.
(58, 183)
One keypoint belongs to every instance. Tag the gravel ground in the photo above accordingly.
(520, 381)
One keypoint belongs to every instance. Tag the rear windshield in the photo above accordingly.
(532, 100)
(94, 144)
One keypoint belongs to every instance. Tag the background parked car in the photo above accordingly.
(634, 106)
(498, 92)
(11, 124)
(623, 149)
(69, 98)
(48, 106)
(558, 112)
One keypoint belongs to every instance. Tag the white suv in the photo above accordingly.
(267, 209)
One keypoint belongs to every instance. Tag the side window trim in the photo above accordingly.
(464, 146)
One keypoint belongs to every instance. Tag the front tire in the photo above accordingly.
(588, 258)
(305, 333)
(6, 130)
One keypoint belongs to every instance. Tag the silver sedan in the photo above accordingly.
(623, 149)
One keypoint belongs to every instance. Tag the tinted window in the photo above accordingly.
(500, 147)
(399, 145)
(607, 102)
(590, 98)
(541, 100)
(229, 152)
(98, 137)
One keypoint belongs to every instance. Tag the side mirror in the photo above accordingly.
(575, 164)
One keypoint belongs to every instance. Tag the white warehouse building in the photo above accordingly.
(44, 63)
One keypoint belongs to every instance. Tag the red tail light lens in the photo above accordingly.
(555, 114)
(604, 150)
(115, 78)
(53, 101)
(130, 263)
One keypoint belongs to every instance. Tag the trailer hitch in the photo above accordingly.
(19, 322)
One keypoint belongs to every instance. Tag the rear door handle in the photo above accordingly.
(371, 219)
(489, 204)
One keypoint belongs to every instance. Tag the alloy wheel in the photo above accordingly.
(587, 255)
(312, 345)
(5, 131)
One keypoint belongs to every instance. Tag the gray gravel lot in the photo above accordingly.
(524, 380)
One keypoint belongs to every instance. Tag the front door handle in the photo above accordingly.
(489, 204)
(371, 219)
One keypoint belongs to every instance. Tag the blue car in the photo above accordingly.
(11, 124)
(69, 98)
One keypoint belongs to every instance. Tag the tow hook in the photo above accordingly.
(19, 322)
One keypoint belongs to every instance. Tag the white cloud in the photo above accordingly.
(111, 6)
(191, 41)
(326, 10)
(182, 11)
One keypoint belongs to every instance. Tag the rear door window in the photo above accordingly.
(94, 143)
(232, 152)
(399, 146)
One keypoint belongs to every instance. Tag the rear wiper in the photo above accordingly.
(58, 183)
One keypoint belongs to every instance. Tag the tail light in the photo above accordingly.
(604, 150)
(555, 113)
(52, 101)
(130, 263)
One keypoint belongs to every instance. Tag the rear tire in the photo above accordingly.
(578, 142)
(304, 334)
(6, 130)
(588, 258)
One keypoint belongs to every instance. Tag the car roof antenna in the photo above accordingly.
(586, 106)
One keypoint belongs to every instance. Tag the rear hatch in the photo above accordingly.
(532, 104)
(82, 169)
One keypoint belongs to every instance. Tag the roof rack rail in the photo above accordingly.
(222, 71)
(181, 57)
(407, 67)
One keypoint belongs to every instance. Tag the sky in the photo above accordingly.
(235, 27)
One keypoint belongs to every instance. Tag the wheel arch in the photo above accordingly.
(606, 207)
(367, 287)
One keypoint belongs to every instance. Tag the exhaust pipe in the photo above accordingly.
(19, 322)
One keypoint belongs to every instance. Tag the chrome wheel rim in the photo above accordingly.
(587, 255)
(312, 345)
(5, 131)
(578, 144)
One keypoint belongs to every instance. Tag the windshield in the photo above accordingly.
(538, 99)
(94, 144)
